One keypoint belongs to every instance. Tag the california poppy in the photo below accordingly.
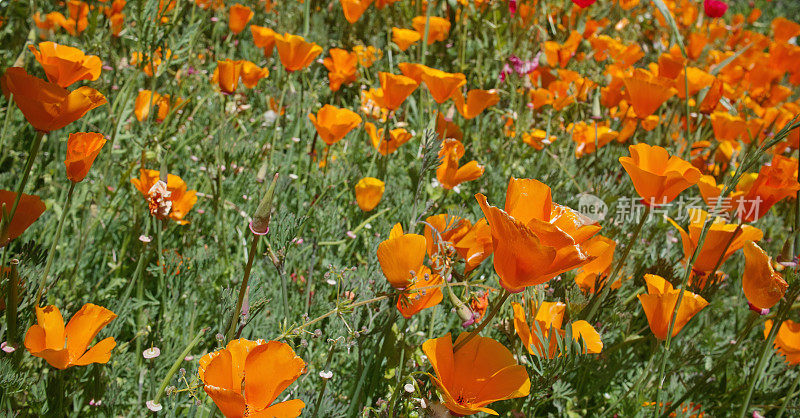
(535, 239)
(369, 191)
(246, 377)
(51, 21)
(441, 84)
(334, 123)
(477, 101)
(647, 92)
(65, 65)
(784, 29)
(264, 38)
(697, 80)
(589, 138)
(171, 200)
(762, 286)
(722, 240)
(353, 9)
(387, 144)
(479, 373)
(444, 230)
(146, 100)
(341, 67)
(775, 182)
(659, 306)
(475, 245)
(422, 294)
(238, 16)
(787, 340)
(595, 271)
(560, 54)
(404, 38)
(227, 75)
(546, 319)
(413, 70)
(78, 17)
(657, 176)
(82, 149)
(29, 209)
(295, 52)
(537, 138)
(64, 347)
(395, 89)
(438, 28)
(367, 55)
(446, 128)
(401, 257)
(47, 106)
(251, 74)
(449, 173)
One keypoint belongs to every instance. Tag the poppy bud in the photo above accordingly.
(462, 309)
(260, 223)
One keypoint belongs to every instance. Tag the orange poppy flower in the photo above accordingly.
(444, 230)
(596, 270)
(547, 319)
(714, 94)
(333, 123)
(404, 38)
(369, 191)
(477, 101)
(698, 80)
(64, 347)
(449, 173)
(171, 200)
(784, 29)
(442, 85)
(534, 239)
(401, 257)
(479, 373)
(78, 17)
(29, 209)
(787, 340)
(659, 304)
(657, 176)
(353, 9)
(65, 65)
(387, 145)
(395, 89)
(446, 128)
(438, 28)
(416, 298)
(227, 75)
(413, 70)
(47, 106)
(646, 92)
(719, 235)
(295, 52)
(82, 149)
(238, 16)
(146, 99)
(51, 21)
(762, 286)
(560, 54)
(264, 38)
(251, 74)
(150, 63)
(588, 138)
(367, 55)
(537, 139)
(246, 377)
(117, 22)
(775, 181)
(669, 65)
(341, 67)
(476, 245)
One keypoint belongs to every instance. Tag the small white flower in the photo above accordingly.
(326, 375)
(409, 387)
(151, 352)
(6, 347)
(293, 176)
(331, 282)
(153, 406)
(145, 238)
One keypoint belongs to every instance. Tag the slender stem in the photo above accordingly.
(501, 299)
(759, 370)
(32, 153)
(324, 381)
(789, 396)
(618, 267)
(243, 289)
(12, 299)
(54, 245)
(6, 120)
(177, 364)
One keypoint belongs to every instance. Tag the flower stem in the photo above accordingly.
(324, 381)
(789, 396)
(177, 364)
(243, 289)
(54, 245)
(595, 304)
(501, 299)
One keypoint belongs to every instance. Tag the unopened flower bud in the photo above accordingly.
(260, 223)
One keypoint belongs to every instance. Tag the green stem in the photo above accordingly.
(54, 245)
(12, 299)
(32, 153)
(177, 364)
(324, 381)
(789, 396)
(495, 309)
(243, 289)
(595, 304)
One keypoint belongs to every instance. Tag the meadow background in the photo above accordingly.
(175, 286)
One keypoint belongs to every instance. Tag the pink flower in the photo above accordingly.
(512, 6)
(584, 3)
(715, 8)
(519, 66)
